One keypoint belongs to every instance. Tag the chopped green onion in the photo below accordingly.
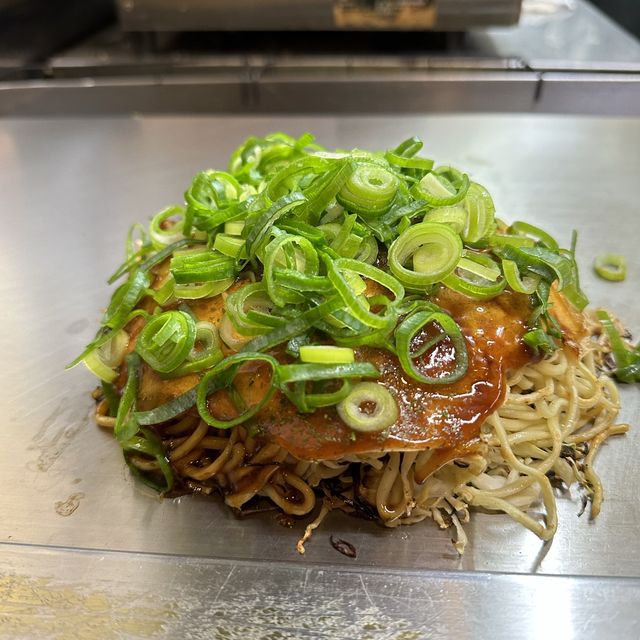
(126, 424)
(294, 379)
(504, 239)
(161, 236)
(323, 191)
(454, 216)
(165, 293)
(421, 164)
(169, 410)
(346, 241)
(337, 271)
(251, 298)
(148, 443)
(228, 245)
(290, 252)
(112, 398)
(627, 359)
(166, 340)
(435, 250)
(135, 248)
(368, 251)
(294, 327)
(201, 265)
(221, 376)
(326, 354)
(538, 340)
(611, 266)
(481, 218)
(411, 326)
(94, 363)
(526, 229)
(205, 352)
(259, 230)
(369, 190)
(526, 285)
(438, 191)
(299, 228)
(290, 373)
(369, 408)
(104, 360)
(234, 228)
(409, 147)
(196, 291)
(476, 275)
(134, 439)
(549, 266)
(312, 401)
(289, 177)
(125, 298)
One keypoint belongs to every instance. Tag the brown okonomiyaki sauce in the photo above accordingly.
(443, 417)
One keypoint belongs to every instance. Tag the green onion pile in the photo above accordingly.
(337, 250)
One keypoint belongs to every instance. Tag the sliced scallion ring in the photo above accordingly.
(228, 245)
(201, 265)
(476, 275)
(326, 354)
(204, 290)
(104, 360)
(421, 164)
(611, 266)
(167, 226)
(166, 340)
(205, 352)
(527, 284)
(250, 310)
(234, 228)
(455, 216)
(369, 408)
(439, 191)
(369, 190)
(526, 229)
(411, 326)
(221, 376)
(481, 214)
(435, 250)
(340, 273)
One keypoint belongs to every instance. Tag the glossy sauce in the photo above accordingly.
(443, 417)
(431, 416)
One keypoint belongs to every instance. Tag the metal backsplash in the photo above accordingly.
(314, 15)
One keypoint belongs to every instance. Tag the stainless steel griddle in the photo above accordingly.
(87, 552)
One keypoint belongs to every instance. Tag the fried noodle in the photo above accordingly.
(555, 416)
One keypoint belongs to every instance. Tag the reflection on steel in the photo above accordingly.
(282, 91)
(160, 597)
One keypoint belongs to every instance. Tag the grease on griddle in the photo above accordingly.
(285, 520)
(557, 482)
(344, 547)
(585, 502)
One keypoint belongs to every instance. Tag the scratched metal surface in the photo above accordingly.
(115, 596)
(69, 190)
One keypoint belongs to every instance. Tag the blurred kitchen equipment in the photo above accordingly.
(314, 15)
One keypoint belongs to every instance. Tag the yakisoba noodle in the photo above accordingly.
(555, 416)
(355, 331)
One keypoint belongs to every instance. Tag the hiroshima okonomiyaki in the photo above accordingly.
(356, 330)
